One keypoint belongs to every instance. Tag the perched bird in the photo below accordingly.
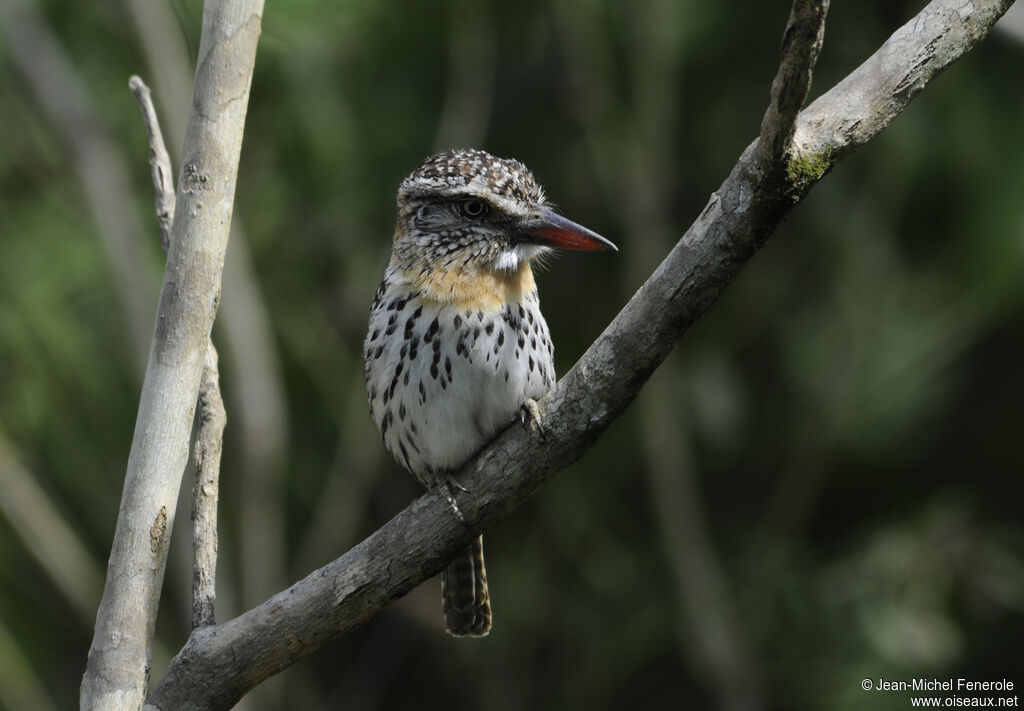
(456, 345)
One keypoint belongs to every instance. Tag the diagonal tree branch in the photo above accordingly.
(219, 664)
(116, 674)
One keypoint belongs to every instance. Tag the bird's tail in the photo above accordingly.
(464, 596)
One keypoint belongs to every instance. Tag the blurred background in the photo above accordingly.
(822, 484)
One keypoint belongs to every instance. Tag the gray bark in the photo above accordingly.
(212, 416)
(219, 664)
(116, 675)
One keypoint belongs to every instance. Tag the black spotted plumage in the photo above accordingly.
(456, 342)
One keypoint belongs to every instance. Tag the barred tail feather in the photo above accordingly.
(465, 599)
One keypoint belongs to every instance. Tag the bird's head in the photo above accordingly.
(469, 225)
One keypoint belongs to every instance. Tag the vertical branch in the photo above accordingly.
(116, 674)
(259, 408)
(801, 44)
(212, 415)
(159, 161)
(209, 442)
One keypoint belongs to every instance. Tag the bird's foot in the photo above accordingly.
(531, 410)
(445, 484)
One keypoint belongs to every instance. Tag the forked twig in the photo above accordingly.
(211, 415)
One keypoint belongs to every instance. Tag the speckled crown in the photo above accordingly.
(472, 172)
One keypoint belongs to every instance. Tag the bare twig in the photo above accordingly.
(259, 408)
(169, 67)
(212, 416)
(117, 670)
(209, 442)
(159, 161)
(257, 403)
(860, 106)
(801, 44)
(218, 664)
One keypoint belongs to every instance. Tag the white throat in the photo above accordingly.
(510, 259)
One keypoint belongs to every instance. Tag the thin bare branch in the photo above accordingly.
(871, 96)
(209, 442)
(219, 664)
(169, 67)
(258, 405)
(116, 675)
(159, 161)
(801, 44)
(212, 416)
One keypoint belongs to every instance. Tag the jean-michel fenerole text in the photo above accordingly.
(943, 685)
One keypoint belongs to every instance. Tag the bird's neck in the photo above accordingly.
(470, 286)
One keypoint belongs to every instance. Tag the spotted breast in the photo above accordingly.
(456, 344)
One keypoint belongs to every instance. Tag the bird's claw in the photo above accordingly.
(532, 410)
(452, 481)
(445, 484)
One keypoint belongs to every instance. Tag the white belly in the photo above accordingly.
(443, 383)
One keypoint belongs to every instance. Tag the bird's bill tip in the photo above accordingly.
(552, 230)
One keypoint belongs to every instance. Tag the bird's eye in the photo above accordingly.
(474, 209)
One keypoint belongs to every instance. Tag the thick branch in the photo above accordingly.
(857, 109)
(117, 670)
(221, 663)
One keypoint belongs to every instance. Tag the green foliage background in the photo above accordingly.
(821, 485)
